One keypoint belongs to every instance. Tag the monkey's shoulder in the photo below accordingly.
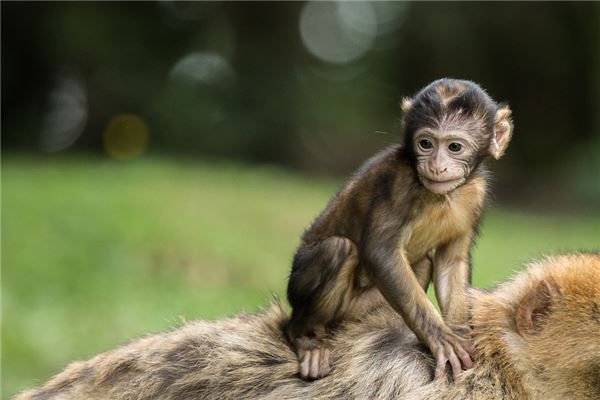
(376, 179)
(385, 176)
(380, 162)
(382, 169)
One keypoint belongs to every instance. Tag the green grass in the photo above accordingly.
(96, 252)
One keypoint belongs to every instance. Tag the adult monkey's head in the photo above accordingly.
(450, 127)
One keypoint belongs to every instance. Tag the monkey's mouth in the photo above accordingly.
(441, 186)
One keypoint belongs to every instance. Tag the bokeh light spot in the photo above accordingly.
(126, 136)
(67, 115)
(338, 32)
(390, 15)
(203, 68)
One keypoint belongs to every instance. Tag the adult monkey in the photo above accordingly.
(407, 217)
(537, 338)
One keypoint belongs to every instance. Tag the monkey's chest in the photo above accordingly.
(434, 227)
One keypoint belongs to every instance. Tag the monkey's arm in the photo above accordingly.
(391, 273)
(451, 276)
(397, 282)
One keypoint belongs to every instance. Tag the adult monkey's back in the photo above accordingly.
(537, 337)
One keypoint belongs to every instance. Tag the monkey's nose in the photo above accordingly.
(437, 170)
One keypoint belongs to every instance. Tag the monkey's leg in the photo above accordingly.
(369, 297)
(423, 270)
(320, 291)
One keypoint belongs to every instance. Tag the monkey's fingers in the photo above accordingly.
(465, 356)
(459, 360)
(455, 364)
(470, 348)
(441, 361)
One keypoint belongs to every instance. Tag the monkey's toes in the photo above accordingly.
(314, 363)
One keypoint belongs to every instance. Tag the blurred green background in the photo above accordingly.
(160, 160)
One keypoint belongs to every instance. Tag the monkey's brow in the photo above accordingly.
(448, 135)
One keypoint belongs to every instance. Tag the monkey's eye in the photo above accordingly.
(455, 147)
(425, 144)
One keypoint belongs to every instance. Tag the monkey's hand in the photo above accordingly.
(314, 357)
(464, 331)
(454, 349)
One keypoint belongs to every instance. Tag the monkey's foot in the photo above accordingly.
(314, 358)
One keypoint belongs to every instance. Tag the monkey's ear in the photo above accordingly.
(503, 129)
(406, 104)
(536, 306)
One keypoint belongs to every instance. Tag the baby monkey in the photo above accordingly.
(407, 217)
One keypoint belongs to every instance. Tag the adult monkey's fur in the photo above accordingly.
(537, 337)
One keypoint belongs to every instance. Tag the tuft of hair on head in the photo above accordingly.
(405, 104)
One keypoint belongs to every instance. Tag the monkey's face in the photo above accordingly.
(451, 125)
(444, 159)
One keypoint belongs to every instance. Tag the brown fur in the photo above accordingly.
(379, 230)
(248, 356)
(447, 92)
